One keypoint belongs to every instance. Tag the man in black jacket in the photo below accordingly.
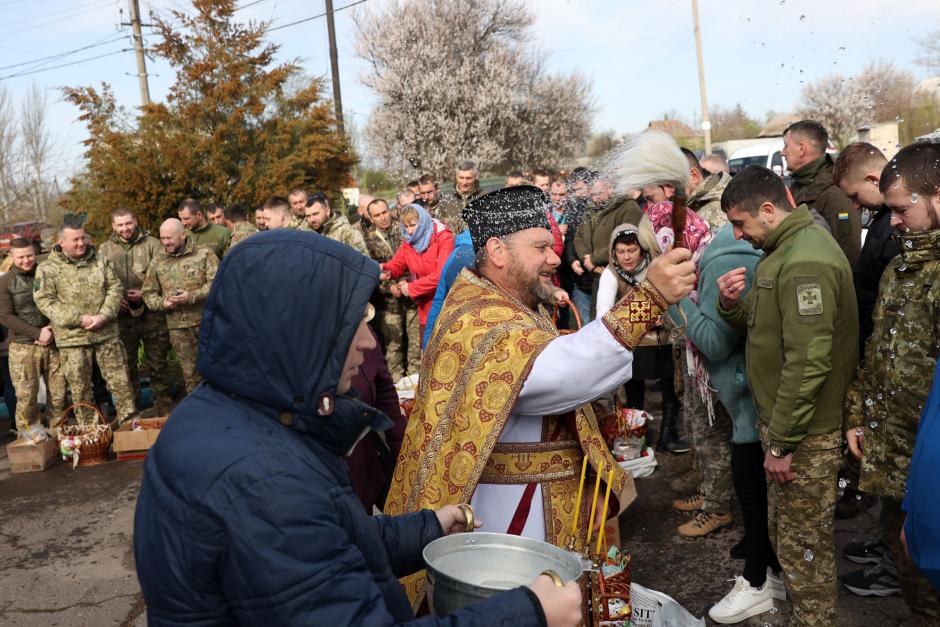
(857, 172)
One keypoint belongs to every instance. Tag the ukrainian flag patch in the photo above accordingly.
(843, 215)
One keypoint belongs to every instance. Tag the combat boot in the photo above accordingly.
(704, 523)
(689, 504)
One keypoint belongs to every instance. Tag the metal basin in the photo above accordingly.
(466, 567)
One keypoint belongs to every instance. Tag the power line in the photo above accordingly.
(314, 17)
(107, 40)
(41, 22)
(250, 4)
(56, 67)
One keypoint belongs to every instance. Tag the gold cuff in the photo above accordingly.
(637, 313)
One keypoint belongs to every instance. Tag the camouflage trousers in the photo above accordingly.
(919, 595)
(30, 363)
(149, 330)
(402, 337)
(711, 443)
(186, 344)
(112, 361)
(800, 516)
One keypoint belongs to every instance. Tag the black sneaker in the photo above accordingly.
(881, 580)
(679, 445)
(737, 551)
(865, 552)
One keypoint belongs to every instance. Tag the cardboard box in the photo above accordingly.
(26, 457)
(126, 439)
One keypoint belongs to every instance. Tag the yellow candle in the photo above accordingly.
(600, 536)
(577, 502)
(597, 487)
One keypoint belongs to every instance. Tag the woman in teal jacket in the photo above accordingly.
(722, 350)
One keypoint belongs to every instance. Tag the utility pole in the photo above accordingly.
(706, 122)
(334, 67)
(139, 49)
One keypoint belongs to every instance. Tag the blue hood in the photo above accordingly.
(277, 326)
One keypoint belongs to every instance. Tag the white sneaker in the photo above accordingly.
(742, 602)
(778, 588)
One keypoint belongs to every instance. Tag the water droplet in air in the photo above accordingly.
(843, 482)
(869, 402)
(893, 331)
(802, 18)
(873, 424)
(842, 48)
(808, 555)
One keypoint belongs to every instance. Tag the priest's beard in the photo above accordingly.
(528, 288)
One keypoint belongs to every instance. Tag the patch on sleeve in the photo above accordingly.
(843, 215)
(809, 299)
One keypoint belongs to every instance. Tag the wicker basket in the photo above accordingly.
(577, 318)
(85, 445)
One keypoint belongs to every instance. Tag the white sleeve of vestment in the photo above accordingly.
(606, 292)
(573, 370)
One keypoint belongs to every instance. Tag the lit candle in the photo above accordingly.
(597, 487)
(577, 502)
(600, 535)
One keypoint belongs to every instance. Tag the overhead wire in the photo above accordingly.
(53, 57)
(62, 65)
(314, 17)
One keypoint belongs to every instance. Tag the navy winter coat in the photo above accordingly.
(246, 514)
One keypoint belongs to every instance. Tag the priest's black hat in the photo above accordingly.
(504, 212)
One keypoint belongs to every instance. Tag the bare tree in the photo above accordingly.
(36, 146)
(27, 186)
(882, 92)
(458, 79)
(929, 52)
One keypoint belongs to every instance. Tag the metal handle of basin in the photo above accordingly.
(468, 514)
(555, 577)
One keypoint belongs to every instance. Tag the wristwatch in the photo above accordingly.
(779, 451)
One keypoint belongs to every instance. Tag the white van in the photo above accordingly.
(765, 154)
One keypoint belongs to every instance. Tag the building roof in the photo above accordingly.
(675, 128)
(778, 124)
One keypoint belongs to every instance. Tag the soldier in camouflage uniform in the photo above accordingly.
(32, 352)
(801, 321)
(238, 224)
(466, 188)
(277, 214)
(397, 316)
(884, 403)
(177, 283)
(131, 250)
(79, 291)
(322, 219)
(203, 233)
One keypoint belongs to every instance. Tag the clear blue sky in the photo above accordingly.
(640, 54)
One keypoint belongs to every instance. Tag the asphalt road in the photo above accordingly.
(66, 555)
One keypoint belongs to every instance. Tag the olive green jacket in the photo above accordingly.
(593, 236)
(190, 270)
(449, 208)
(892, 384)
(66, 289)
(801, 320)
(813, 186)
(214, 237)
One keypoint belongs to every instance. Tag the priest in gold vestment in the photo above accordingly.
(502, 417)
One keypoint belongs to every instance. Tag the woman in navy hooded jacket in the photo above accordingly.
(246, 514)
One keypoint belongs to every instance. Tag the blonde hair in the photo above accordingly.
(408, 211)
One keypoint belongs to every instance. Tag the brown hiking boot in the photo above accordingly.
(689, 504)
(704, 523)
(686, 483)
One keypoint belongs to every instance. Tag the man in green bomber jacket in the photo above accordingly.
(801, 321)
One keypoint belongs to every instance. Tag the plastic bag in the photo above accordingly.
(655, 609)
(641, 466)
(34, 435)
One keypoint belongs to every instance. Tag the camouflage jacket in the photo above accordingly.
(298, 224)
(214, 237)
(191, 270)
(65, 289)
(338, 228)
(891, 386)
(450, 208)
(382, 247)
(132, 258)
(242, 231)
(705, 200)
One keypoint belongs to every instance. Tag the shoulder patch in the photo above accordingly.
(36, 282)
(809, 299)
